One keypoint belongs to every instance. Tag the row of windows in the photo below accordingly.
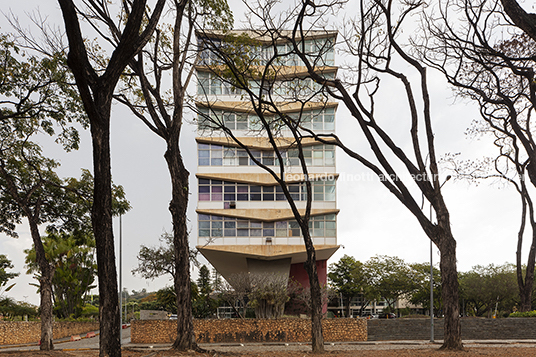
(211, 84)
(215, 190)
(218, 155)
(218, 226)
(319, 51)
(322, 119)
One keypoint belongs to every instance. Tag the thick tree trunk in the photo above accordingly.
(178, 205)
(46, 342)
(45, 282)
(449, 285)
(109, 320)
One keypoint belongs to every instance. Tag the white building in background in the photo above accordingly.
(245, 223)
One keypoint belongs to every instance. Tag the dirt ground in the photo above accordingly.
(397, 352)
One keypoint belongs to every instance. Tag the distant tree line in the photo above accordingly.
(485, 291)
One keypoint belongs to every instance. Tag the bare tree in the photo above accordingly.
(490, 61)
(412, 175)
(96, 87)
(172, 51)
(238, 62)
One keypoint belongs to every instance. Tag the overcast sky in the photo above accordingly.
(371, 221)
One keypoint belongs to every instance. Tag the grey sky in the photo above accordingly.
(371, 221)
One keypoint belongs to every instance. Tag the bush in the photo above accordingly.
(89, 311)
(523, 314)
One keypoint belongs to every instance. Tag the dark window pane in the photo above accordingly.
(268, 161)
(230, 232)
(243, 232)
(268, 232)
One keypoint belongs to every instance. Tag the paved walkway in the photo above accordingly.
(93, 343)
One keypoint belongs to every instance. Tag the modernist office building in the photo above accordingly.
(245, 223)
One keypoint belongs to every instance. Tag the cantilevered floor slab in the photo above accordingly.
(233, 259)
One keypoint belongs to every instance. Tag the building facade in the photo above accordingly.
(245, 223)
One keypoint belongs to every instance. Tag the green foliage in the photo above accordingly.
(166, 299)
(75, 269)
(203, 282)
(486, 287)
(76, 203)
(29, 184)
(391, 277)
(89, 311)
(203, 304)
(523, 314)
(421, 295)
(5, 276)
(349, 277)
(39, 95)
(154, 262)
(216, 14)
(10, 309)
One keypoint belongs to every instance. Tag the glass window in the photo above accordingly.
(268, 229)
(267, 193)
(241, 122)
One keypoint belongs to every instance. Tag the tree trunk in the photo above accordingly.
(526, 285)
(46, 342)
(109, 320)
(45, 282)
(347, 300)
(449, 284)
(317, 337)
(178, 205)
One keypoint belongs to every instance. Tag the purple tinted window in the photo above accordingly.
(204, 197)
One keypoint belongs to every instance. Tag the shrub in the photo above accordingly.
(523, 314)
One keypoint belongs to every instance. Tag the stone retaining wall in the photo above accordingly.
(250, 330)
(472, 329)
(17, 332)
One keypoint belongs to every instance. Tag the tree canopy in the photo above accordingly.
(5, 275)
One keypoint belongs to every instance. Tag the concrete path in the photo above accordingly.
(93, 343)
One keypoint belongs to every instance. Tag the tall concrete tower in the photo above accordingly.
(245, 223)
